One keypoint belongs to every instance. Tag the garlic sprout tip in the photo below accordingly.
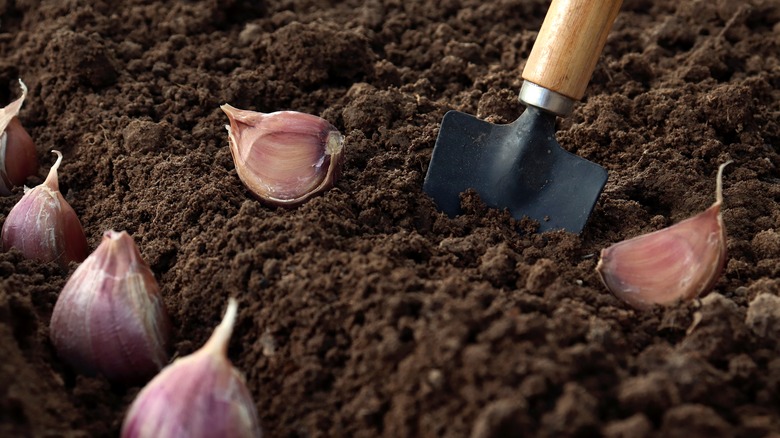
(24, 87)
(719, 182)
(228, 109)
(59, 159)
(221, 337)
(52, 180)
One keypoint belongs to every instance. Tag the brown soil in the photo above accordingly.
(365, 312)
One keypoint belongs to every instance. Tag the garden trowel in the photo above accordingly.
(520, 166)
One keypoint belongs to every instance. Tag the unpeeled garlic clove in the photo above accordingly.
(43, 226)
(110, 318)
(18, 159)
(200, 395)
(284, 157)
(680, 262)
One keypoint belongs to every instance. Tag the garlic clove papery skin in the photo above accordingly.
(43, 226)
(284, 157)
(12, 109)
(18, 158)
(200, 395)
(677, 263)
(109, 318)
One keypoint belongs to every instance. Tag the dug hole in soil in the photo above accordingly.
(366, 312)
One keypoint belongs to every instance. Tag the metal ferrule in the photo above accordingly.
(546, 100)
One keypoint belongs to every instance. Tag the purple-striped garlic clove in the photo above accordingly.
(284, 157)
(18, 159)
(198, 396)
(43, 226)
(110, 318)
(677, 263)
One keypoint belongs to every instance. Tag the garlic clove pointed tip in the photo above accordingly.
(12, 109)
(120, 253)
(236, 115)
(228, 109)
(52, 179)
(219, 341)
(23, 86)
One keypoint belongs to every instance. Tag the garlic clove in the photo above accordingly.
(43, 226)
(680, 262)
(284, 157)
(200, 395)
(18, 158)
(110, 318)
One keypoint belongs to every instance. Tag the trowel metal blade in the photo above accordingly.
(519, 166)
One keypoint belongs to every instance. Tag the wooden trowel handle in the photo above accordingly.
(569, 44)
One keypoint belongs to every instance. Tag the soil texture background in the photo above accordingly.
(366, 312)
